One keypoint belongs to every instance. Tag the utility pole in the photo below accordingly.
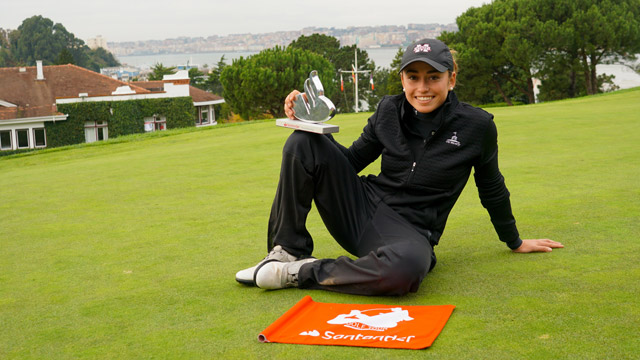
(355, 72)
(354, 68)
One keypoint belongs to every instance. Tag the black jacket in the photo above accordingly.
(423, 190)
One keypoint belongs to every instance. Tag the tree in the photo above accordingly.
(509, 42)
(475, 81)
(65, 57)
(100, 58)
(257, 85)
(38, 38)
(5, 58)
(213, 83)
(558, 65)
(158, 71)
(394, 84)
(321, 44)
(342, 59)
(196, 78)
(5, 54)
(4, 38)
(602, 31)
(380, 79)
(498, 44)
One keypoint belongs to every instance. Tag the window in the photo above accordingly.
(155, 123)
(40, 137)
(95, 131)
(5, 140)
(23, 138)
(204, 116)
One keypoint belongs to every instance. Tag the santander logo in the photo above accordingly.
(372, 319)
(372, 325)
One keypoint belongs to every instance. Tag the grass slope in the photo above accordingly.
(127, 249)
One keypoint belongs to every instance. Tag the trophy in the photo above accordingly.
(312, 110)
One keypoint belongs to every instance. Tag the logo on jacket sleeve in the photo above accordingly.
(453, 140)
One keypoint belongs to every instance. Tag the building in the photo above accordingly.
(203, 101)
(122, 73)
(97, 42)
(47, 106)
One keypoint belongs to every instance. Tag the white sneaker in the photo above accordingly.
(246, 276)
(279, 275)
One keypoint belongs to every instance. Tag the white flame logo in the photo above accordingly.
(372, 319)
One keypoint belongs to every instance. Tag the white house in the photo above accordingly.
(29, 98)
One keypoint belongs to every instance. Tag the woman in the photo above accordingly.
(429, 141)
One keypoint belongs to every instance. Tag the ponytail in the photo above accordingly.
(454, 55)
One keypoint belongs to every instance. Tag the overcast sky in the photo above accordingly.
(128, 20)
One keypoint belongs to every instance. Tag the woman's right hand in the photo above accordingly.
(288, 104)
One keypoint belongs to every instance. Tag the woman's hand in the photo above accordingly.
(538, 245)
(288, 104)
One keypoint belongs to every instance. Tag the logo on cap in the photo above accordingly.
(421, 48)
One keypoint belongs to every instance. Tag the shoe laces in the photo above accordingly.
(278, 253)
(292, 279)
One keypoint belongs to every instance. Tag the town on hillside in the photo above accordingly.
(365, 37)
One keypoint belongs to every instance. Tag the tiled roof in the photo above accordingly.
(199, 95)
(8, 113)
(27, 112)
(37, 97)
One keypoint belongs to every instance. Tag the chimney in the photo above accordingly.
(40, 75)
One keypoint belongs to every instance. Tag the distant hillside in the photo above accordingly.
(365, 37)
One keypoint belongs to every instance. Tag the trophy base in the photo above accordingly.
(318, 128)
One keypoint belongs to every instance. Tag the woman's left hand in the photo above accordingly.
(537, 245)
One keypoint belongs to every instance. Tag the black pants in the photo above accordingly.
(393, 257)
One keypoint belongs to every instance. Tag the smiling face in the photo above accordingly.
(425, 87)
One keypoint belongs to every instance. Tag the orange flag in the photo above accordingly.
(384, 326)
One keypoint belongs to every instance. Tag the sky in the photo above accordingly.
(132, 20)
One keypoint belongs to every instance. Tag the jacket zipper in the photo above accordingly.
(413, 166)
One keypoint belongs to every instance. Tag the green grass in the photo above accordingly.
(128, 249)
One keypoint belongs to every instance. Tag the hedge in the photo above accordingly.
(122, 117)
